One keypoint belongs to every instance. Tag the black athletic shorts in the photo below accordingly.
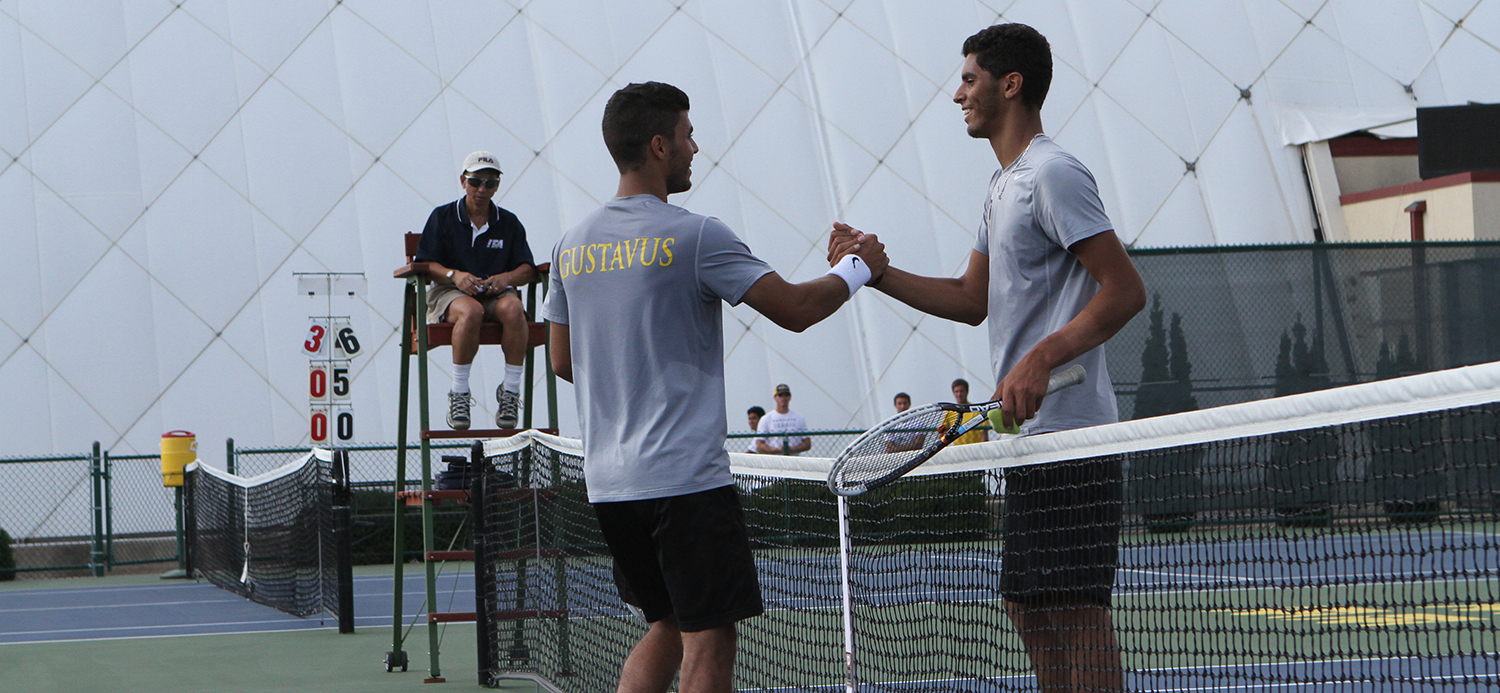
(687, 555)
(1062, 532)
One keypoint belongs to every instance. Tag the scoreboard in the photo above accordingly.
(330, 346)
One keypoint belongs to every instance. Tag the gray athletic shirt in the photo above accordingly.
(640, 284)
(1044, 202)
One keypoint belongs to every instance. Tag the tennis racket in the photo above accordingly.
(906, 440)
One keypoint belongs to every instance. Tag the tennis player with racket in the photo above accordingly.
(1055, 283)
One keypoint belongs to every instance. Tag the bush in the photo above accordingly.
(7, 558)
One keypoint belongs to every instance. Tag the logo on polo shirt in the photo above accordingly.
(496, 243)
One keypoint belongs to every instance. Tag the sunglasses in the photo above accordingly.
(478, 182)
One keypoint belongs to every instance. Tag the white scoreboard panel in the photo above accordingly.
(331, 346)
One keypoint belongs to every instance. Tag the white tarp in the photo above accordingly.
(166, 167)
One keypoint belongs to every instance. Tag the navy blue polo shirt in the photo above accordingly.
(449, 241)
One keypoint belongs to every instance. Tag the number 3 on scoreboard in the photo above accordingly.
(316, 343)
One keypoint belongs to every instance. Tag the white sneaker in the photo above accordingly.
(458, 410)
(510, 406)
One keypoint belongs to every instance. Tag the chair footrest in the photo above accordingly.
(479, 433)
(413, 499)
(449, 555)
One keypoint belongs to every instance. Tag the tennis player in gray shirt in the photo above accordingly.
(1055, 283)
(635, 301)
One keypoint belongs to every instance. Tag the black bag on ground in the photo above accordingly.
(456, 477)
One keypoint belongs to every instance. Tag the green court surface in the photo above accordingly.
(314, 659)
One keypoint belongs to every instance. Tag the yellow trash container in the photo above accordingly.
(178, 450)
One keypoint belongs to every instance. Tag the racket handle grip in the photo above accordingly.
(1068, 378)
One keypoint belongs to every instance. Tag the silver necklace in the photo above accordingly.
(1014, 166)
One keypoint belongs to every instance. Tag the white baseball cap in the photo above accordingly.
(478, 161)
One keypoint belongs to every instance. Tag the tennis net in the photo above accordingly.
(1347, 539)
(279, 538)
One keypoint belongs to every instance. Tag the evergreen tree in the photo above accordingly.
(1181, 371)
(1285, 375)
(1302, 466)
(1385, 364)
(1165, 488)
(1153, 398)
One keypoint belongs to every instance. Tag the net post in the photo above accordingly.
(851, 676)
(188, 534)
(484, 583)
(343, 542)
(96, 474)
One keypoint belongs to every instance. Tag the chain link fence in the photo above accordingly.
(1235, 324)
(1225, 325)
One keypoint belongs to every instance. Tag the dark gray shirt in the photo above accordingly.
(641, 285)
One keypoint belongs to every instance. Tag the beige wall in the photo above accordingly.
(1357, 174)
(1460, 212)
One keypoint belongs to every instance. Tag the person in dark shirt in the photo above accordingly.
(477, 256)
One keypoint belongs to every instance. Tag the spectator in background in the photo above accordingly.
(950, 419)
(783, 420)
(901, 441)
(754, 414)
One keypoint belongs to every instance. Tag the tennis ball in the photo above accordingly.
(997, 421)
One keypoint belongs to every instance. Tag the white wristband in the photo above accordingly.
(854, 271)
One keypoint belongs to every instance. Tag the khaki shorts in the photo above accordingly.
(440, 295)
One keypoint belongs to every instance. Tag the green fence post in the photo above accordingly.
(96, 554)
(229, 456)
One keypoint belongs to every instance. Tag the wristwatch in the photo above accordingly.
(449, 275)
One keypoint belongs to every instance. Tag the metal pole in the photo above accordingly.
(435, 674)
(96, 554)
(181, 543)
(527, 387)
(851, 678)
(343, 526)
(396, 657)
(229, 462)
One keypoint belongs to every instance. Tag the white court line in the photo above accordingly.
(180, 625)
(117, 588)
(1220, 687)
(121, 606)
(381, 619)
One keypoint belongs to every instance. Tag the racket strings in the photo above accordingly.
(894, 445)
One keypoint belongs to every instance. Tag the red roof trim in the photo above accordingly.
(1372, 146)
(1420, 186)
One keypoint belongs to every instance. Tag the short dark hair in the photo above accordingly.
(637, 113)
(756, 411)
(958, 382)
(1006, 48)
(899, 395)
